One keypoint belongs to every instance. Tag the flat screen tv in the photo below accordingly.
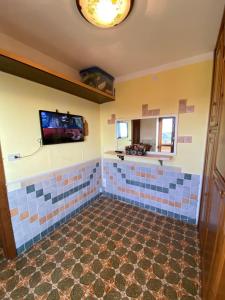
(57, 128)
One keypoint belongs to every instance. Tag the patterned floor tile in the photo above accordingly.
(110, 251)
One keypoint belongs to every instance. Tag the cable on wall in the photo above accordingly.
(33, 153)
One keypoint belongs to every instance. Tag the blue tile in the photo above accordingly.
(54, 200)
(94, 170)
(177, 216)
(165, 190)
(57, 224)
(119, 170)
(184, 218)
(180, 181)
(148, 186)
(187, 176)
(91, 176)
(48, 196)
(153, 208)
(39, 193)
(115, 165)
(164, 212)
(170, 214)
(29, 244)
(44, 233)
(68, 217)
(20, 250)
(172, 186)
(60, 197)
(159, 189)
(66, 194)
(30, 189)
(123, 176)
(153, 187)
(191, 221)
(37, 238)
(97, 164)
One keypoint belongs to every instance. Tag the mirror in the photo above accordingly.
(157, 134)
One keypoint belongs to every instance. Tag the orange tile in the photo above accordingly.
(14, 212)
(58, 178)
(177, 205)
(66, 181)
(185, 200)
(194, 197)
(42, 220)
(33, 218)
(165, 201)
(24, 215)
(49, 216)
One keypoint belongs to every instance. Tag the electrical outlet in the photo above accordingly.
(12, 157)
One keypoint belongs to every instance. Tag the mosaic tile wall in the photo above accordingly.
(165, 190)
(44, 202)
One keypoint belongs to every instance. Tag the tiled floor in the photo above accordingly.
(111, 250)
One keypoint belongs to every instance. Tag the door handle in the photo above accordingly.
(222, 194)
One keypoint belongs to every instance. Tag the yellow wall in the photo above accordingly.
(192, 82)
(20, 101)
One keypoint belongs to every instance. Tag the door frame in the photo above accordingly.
(7, 236)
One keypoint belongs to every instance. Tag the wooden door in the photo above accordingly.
(220, 158)
(212, 214)
(217, 282)
(7, 236)
(221, 289)
(214, 240)
(218, 80)
(212, 226)
(205, 204)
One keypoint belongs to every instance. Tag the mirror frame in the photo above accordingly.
(155, 117)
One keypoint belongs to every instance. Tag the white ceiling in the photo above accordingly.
(156, 32)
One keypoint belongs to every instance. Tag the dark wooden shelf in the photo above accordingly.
(19, 66)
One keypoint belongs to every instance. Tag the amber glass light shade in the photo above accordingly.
(105, 13)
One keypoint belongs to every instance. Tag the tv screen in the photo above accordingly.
(60, 128)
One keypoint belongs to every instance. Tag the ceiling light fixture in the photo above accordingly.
(105, 13)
